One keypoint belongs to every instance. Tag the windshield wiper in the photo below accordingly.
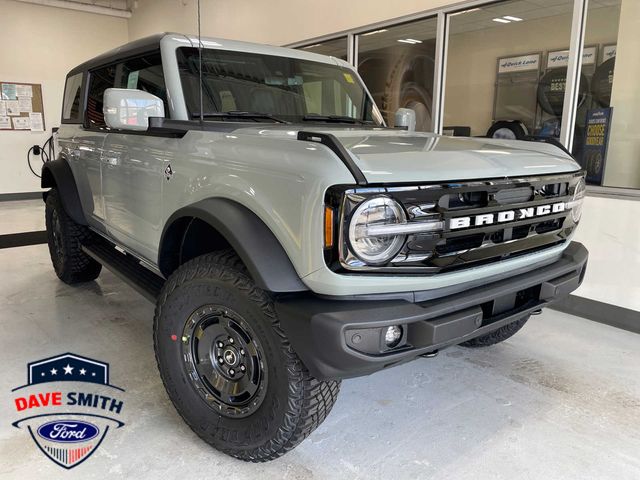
(334, 119)
(256, 116)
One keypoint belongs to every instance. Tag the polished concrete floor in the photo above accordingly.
(561, 400)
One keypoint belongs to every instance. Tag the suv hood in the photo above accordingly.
(386, 155)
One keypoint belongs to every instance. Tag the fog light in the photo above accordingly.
(392, 336)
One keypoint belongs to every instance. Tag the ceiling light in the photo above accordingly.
(501, 20)
(513, 19)
(410, 41)
(374, 32)
(413, 40)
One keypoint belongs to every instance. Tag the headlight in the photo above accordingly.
(576, 202)
(368, 241)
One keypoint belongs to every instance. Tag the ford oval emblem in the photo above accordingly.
(68, 431)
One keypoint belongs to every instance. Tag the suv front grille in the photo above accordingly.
(472, 245)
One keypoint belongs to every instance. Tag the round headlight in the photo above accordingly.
(576, 201)
(378, 249)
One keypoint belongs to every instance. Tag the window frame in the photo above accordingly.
(114, 62)
(82, 106)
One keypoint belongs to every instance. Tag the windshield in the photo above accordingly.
(284, 88)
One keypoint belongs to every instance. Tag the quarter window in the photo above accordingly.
(71, 111)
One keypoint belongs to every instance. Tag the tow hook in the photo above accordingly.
(430, 354)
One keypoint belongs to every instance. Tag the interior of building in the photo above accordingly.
(480, 81)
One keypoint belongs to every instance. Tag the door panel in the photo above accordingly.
(132, 183)
(84, 153)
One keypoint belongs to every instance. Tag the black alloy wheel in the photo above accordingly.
(225, 361)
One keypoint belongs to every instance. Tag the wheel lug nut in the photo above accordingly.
(185, 339)
(242, 368)
(230, 340)
(220, 344)
(220, 360)
(232, 371)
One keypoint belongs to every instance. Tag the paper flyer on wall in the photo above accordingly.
(25, 105)
(21, 123)
(37, 125)
(5, 123)
(9, 91)
(24, 90)
(13, 107)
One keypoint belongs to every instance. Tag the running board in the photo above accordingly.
(125, 266)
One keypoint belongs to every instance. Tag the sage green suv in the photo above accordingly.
(288, 237)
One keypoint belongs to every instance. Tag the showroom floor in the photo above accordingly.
(559, 400)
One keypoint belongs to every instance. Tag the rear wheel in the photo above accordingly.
(497, 336)
(228, 367)
(65, 238)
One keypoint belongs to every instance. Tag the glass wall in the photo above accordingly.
(505, 75)
(607, 137)
(500, 79)
(397, 65)
(337, 47)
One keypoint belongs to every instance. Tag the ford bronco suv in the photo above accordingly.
(288, 237)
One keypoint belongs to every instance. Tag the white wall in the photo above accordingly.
(40, 45)
(276, 22)
(609, 229)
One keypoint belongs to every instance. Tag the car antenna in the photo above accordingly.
(200, 67)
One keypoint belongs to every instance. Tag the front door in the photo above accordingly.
(133, 166)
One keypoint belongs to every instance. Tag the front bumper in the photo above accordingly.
(324, 331)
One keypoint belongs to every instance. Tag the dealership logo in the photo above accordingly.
(68, 422)
(505, 216)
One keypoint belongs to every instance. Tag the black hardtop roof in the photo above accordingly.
(127, 50)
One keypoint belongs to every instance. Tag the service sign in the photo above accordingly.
(608, 51)
(560, 58)
(521, 63)
(596, 140)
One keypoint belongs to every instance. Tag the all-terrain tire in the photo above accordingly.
(497, 336)
(293, 402)
(65, 238)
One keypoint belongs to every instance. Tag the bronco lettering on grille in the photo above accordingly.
(506, 216)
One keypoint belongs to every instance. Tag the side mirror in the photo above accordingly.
(129, 109)
(405, 117)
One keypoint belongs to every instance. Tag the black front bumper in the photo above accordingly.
(340, 338)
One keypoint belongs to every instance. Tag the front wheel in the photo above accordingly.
(228, 366)
(497, 336)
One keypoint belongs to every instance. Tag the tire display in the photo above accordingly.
(551, 91)
(508, 130)
(65, 238)
(227, 365)
(401, 79)
(602, 83)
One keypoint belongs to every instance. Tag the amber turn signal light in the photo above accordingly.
(328, 227)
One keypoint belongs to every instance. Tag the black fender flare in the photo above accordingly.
(253, 241)
(57, 174)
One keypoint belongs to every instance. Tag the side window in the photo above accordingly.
(99, 81)
(144, 73)
(71, 110)
(141, 73)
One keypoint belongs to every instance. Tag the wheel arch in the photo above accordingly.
(57, 174)
(226, 223)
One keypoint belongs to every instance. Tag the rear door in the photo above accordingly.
(133, 166)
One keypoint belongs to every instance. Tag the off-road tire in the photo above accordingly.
(65, 238)
(294, 404)
(497, 336)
